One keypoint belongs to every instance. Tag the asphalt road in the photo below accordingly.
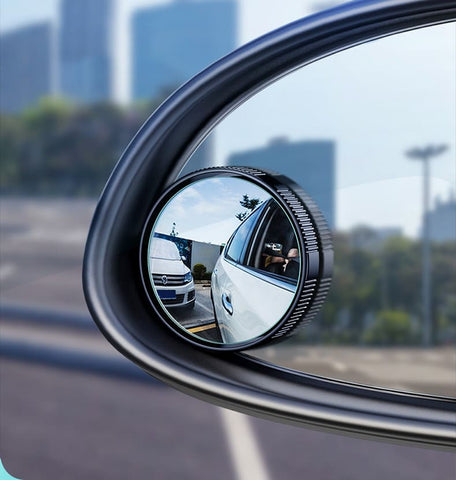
(200, 320)
(57, 424)
(202, 314)
(60, 423)
(42, 245)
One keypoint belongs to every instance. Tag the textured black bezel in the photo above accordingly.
(314, 241)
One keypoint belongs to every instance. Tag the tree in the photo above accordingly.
(57, 148)
(199, 270)
(249, 204)
(11, 145)
(391, 327)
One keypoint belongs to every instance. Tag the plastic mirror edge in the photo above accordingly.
(380, 19)
(279, 187)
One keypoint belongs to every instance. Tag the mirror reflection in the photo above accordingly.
(224, 260)
(369, 133)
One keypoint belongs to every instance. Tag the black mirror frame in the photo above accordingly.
(313, 240)
(152, 161)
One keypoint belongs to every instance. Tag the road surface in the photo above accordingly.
(58, 424)
(62, 423)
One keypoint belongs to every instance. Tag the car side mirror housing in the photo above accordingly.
(254, 296)
(122, 289)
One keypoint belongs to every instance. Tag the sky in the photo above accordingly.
(375, 101)
(206, 210)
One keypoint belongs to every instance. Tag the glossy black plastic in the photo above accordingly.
(152, 161)
(314, 241)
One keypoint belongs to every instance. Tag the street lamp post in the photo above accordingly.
(425, 155)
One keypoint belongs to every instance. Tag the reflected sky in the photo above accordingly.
(206, 210)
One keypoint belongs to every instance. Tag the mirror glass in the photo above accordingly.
(224, 260)
(369, 133)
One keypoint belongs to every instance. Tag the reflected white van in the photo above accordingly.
(172, 279)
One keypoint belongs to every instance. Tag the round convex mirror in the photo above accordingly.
(234, 257)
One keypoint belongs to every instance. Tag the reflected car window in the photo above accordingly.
(239, 239)
(275, 251)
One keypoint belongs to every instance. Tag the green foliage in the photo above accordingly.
(249, 204)
(198, 271)
(391, 327)
(11, 132)
(387, 278)
(355, 288)
(56, 148)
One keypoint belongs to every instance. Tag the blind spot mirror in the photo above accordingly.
(234, 257)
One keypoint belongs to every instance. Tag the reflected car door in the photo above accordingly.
(247, 301)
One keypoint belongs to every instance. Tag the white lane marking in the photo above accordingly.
(6, 270)
(205, 308)
(244, 449)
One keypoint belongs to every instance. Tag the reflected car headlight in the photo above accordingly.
(188, 277)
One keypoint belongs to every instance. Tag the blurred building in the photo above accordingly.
(442, 220)
(372, 238)
(310, 164)
(85, 49)
(173, 42)
(26, 66)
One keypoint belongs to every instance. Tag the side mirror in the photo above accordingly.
(273, 249)
(124, 297)
(256, 296)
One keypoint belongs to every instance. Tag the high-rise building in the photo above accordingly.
(310, 164)
(173, 42)
(85, 50)
(442, 220)
(26, 66)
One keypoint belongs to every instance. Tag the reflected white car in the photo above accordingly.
(249, 291)
(172, 279)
